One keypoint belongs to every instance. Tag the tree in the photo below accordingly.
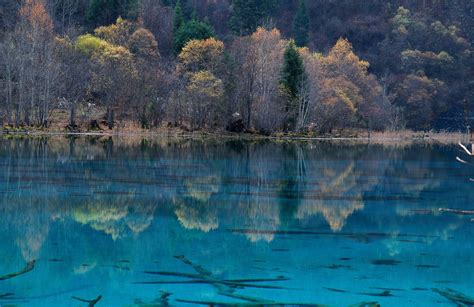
(142, 44)
(114, 72)
(75, 76)
(34, 70)
(247, 15)
(200, 60)
(301, 25)
(117, 33)
(205, 92)
(206, 54)
(178, 20)
(293, 70)
(422, 100)
(293, 83)
(349, 87)
(193, 29)
(104, 12)
(268, 49)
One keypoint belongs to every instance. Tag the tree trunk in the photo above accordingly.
(110, 118)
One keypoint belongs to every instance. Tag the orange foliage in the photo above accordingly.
(34, 13)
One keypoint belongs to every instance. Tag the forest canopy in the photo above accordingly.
(242, 65)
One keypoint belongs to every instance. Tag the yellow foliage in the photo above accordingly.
(201, 54)
(143, 43)
(117, 33)
(205, 83)
(100, 49)
(263, 34)
(342, 60)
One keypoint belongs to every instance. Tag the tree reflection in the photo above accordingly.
(117, 187)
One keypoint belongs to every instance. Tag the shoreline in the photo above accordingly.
(377, 137)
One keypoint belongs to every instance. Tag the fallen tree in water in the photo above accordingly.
(456, 211)
(29, 266)
(456, 297)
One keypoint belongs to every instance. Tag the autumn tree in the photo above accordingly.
(267, 49)
(205, 92)
(35, 73)
(75, 76)
(200, 60)
(203, 54)
(113, 67)
(349, 87)
(422, 100)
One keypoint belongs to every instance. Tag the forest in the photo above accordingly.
(259, 66)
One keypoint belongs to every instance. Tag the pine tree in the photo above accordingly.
(301, 25)
(105, 12)
(190, 30)
(178, 19)
(293, 70)
(247, 15)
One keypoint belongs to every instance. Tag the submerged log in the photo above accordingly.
(91, 303)
(456, 211)
(385, 293)
(456, 297)
(29, 266)
(366, 304)
(216, 303)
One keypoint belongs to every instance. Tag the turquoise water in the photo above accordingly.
(180, 222)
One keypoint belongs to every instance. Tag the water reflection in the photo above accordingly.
(116, 207)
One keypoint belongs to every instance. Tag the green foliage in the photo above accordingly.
(247, 15)
(301, 25)
(190, 30)
(178, 20)
(100, 49)
(293, 70)
(104, 12)
(90, 44)
(431, 63)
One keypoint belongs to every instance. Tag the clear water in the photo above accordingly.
(232, 222)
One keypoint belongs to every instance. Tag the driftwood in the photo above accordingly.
(471, 153)
(29, 266)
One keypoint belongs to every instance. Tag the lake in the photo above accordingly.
(157, 222)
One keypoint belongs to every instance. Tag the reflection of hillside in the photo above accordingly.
(35, 228)
(337, 182)
(261, 216)
(116, 218)
(335, 214)
(193, 215)
(195, 210)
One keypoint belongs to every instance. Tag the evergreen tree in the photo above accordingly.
(301, 25)
(178, 19)
(105, 12)
(247, 15)
(190, 30)
(293, 70)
